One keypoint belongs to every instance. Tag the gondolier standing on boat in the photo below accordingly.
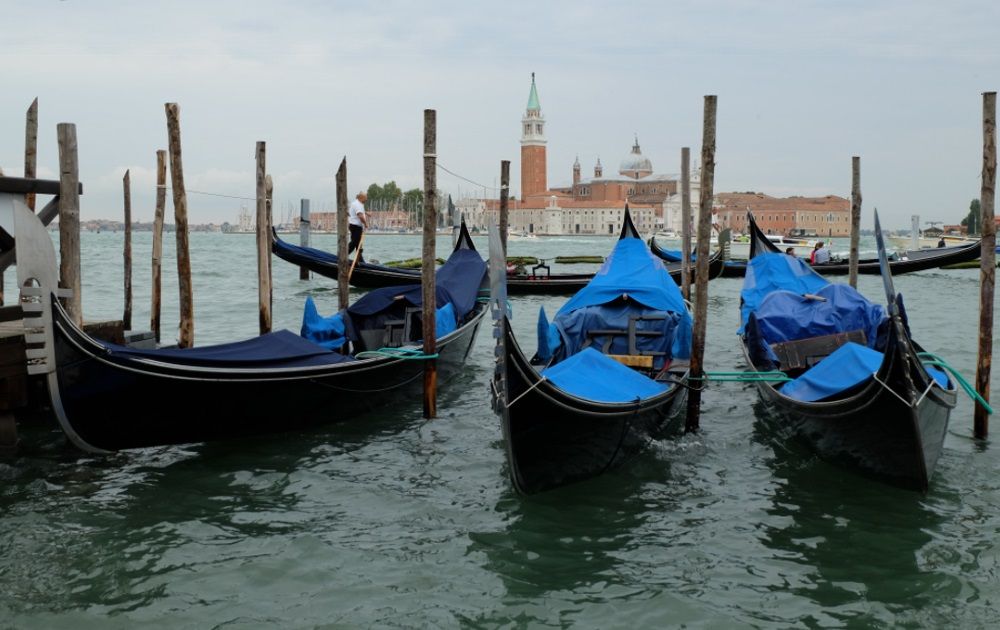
(357, 223)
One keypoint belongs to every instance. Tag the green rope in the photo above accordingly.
(929, 358)
(774, 376)
(409, 354)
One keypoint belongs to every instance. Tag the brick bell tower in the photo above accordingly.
(533, 147)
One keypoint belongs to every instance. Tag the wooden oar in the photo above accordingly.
(361, 242)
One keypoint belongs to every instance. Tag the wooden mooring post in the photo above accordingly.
(69, 220)
(701, 264)
(428, 261)
(185, 338)
(31, 149)
(987, 261)
(686, 223)
(161, 202)
(127, 254)
(504, 201)
(852, 278)
(303, 233)
(343, 264)
(263, 241)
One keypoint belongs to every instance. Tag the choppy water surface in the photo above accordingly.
(389, 520)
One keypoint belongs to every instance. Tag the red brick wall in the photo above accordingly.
(532, 171)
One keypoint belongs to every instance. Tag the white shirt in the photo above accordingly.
(353, 211)
(822, 255)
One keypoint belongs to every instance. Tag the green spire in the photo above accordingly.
(533, 95)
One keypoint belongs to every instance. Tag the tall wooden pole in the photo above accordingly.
(263, 241)
(686, 223)
(269, 194)
(701, 263)
(31, 149)
(161, 202)
(185, 338)
(343, 264)
(428, 261)
(69, 220)
(127, 254)
(504, 201)
(303, 233)
(987, 260)
(855, 219)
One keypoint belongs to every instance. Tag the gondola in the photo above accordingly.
(858, 391)
(908, 262)
(575, 409)
(368, 275)
(108, 397)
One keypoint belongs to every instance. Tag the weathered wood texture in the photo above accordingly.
(429, 260)
(69, 220)
(686, 223)
(987, 268)
(343, 265)
(263, 243)
(303, 233)
(504, 201)
(701, 263)
(161, 202)
(852, 278)
(185, 338)
(31, 149)
(127, 254)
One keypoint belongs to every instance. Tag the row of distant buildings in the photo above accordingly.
(596, 205)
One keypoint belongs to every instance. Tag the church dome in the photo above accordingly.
(635, 164)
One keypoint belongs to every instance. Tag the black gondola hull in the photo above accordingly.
(737, 269)
(111, 403)
(369, 276)
(554, 439)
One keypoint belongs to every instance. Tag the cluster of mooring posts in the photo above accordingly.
(18, 349)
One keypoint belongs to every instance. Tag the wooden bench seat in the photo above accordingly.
(802, 354)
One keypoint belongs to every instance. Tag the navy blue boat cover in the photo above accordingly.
(591, 375)
(279, 349)
(457, 283)
(630, 271)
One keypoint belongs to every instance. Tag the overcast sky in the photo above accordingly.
(802, 86)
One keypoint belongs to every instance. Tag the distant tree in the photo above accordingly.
(972, 220)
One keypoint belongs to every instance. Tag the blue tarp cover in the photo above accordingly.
(633, 271)
(849, 365)
(279, 349)
(456, 282)
(444, 321)
(591, 375)
(786, 316)
(325, 331)
(773, 272)
(548, 336)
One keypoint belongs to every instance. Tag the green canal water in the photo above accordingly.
(388, 520)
